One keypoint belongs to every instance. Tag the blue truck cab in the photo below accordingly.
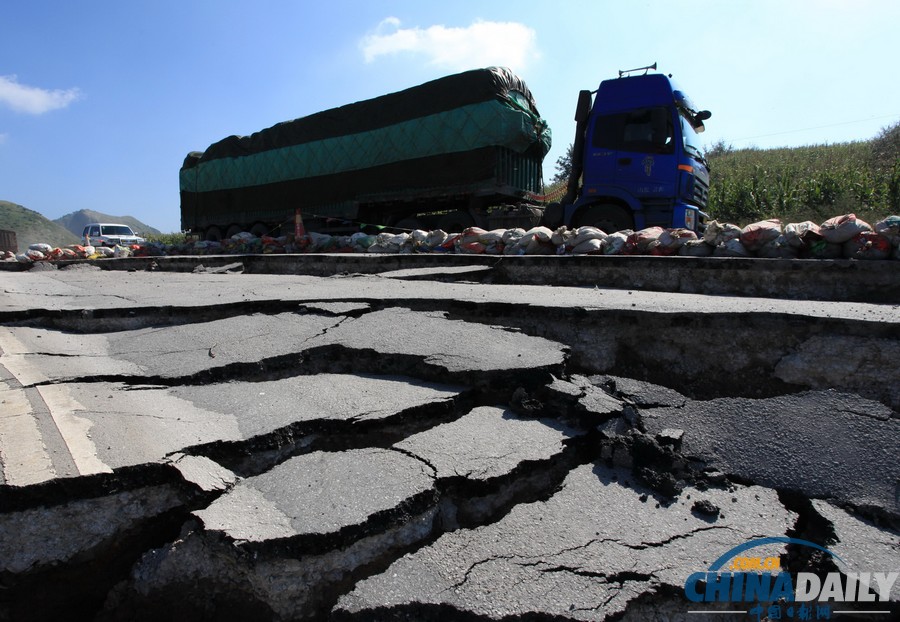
(637, 160)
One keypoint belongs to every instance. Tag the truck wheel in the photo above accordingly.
(456, 222)
(553, 216)
(213, 234)
(259, 230)
(606, 217)
(233, 230)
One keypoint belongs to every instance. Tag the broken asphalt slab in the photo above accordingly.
(107, 426)
(586, 553)
(821, 444)
(315, 520)
(429, 339)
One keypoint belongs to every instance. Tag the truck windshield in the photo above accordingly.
(643, 130)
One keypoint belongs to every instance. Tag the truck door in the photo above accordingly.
(646, 159)
(635, 150)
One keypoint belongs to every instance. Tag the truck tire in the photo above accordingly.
(233, 230)
(213, 234)
(259, 230)
(606, 217)
(456, 222)
(553, 216)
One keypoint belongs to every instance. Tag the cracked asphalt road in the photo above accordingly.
(407, 447)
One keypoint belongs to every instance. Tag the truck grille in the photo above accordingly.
(701, 193)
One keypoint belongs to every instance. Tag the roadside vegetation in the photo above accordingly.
(807, 183)
(172, 239)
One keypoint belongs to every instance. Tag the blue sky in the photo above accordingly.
(100, 100)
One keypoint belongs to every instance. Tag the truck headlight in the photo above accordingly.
(690, 219)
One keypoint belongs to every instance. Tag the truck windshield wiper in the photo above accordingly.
(692, 150)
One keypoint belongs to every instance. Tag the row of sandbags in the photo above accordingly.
(843, 236)
(46, 252)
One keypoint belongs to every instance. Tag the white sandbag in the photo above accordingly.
(582, 234)
(494, 237)
(889, 228)
(589, 246)
(844, 228)
(638, 243)
(615, 242)
(319, 241)
(670, 241)
(731, 248)
(868, 245)
(756, 235)
(543, 234)
(695, 248)
(511, 236)
(717, 233)
(538, 245)
(778, 249)
(362, 241)
(562, 236)
(472, 234)
(801, 234)
(435, 238)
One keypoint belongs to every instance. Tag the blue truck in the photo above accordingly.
(636, 158)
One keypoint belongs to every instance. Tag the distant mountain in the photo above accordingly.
(32, 228)
(76, 221)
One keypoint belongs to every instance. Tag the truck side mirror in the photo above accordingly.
(698, 120)
(584, 106)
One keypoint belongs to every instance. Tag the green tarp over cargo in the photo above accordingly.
(467, 133)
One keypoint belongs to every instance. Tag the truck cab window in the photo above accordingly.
(645, 130)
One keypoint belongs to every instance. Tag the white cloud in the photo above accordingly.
(481, 44)
(33, 100)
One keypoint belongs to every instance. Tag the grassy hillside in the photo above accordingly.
(32, 228)
(76, 221)
(807, 183)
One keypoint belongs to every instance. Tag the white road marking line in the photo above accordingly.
(22, 450)
(16, 362)
(75, 430)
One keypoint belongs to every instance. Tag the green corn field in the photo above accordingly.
(806, 183)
